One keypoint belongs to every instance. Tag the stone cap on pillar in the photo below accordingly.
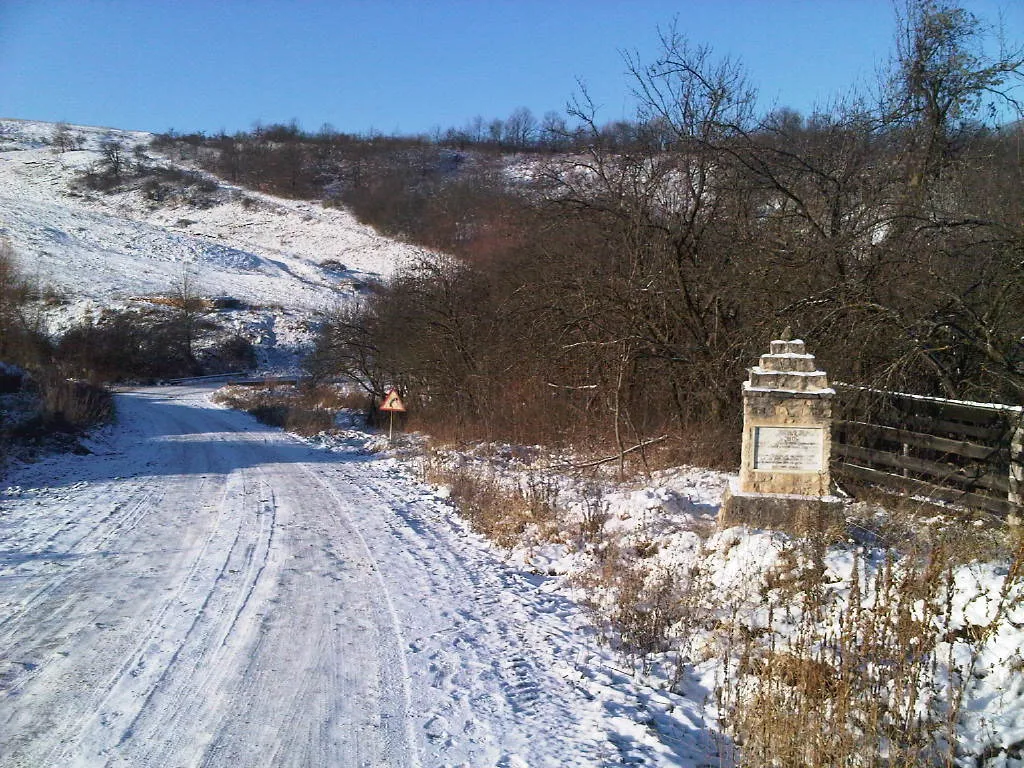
(787, 347)
(788, 367)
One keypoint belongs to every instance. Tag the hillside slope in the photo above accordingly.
(107, 247)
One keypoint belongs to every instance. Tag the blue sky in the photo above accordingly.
(404, 66)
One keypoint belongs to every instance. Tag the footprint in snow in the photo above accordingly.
(442, 668)
(437, 728)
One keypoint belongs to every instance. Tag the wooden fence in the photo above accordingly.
(966, 453)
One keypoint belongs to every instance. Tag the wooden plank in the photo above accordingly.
(1000, 507)
(922, 440)
(927, 415)
(912, 485)
(993, 434)
(1012, 412)
(939, 472)
(952, 412)
(988, 434)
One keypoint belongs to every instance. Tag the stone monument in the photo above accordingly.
(787, 420)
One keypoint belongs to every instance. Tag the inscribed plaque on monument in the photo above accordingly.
(789, 449)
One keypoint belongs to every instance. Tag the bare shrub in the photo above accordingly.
(307, 421)
(304, 411)
(235, 353)
(21, 341)
(329, 397)
(72, 405)
(593, 515)
(271, 415)
(151, 343)
(646, 609)
(239, 398)
(122, 346)
(499, 512)
(485, 505)
(704, 444)
(541, 496)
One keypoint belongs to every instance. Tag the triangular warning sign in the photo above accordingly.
(392, 402)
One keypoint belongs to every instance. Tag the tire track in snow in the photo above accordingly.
(491, 642)
(196, 663)
(51, 600)
(97, 730)
(90, 542)
(305, 712)
(405, 740)
(339, 707)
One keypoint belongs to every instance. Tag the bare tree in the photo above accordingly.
(520, 128)
(476, 129)
(942, 80)
(61, 138)
(668, 300)
(189, 308)
(12, 295)
(21, 339)
(554, 133)
(352, 344)
(114, 158)
(496, 130)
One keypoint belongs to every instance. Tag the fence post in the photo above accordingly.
(1016, 492)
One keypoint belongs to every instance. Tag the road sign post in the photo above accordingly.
(392, 404)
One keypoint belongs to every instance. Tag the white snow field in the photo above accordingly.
(258, 248)
(206, 591)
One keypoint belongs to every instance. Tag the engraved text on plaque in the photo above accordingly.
(789, 449)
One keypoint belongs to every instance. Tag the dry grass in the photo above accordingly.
(49, 416)
(74, 404)
(812, 672)
(593, 516)
(648, 611)
(645, 609)
(905, 523)
(501, 513)
(858, 681)
(302, 410)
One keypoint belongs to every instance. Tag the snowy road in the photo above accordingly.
(205, 591)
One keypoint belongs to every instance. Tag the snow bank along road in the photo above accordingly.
(204, 591)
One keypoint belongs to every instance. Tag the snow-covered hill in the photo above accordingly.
(100, 249)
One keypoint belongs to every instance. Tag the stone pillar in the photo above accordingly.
(787, 419)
